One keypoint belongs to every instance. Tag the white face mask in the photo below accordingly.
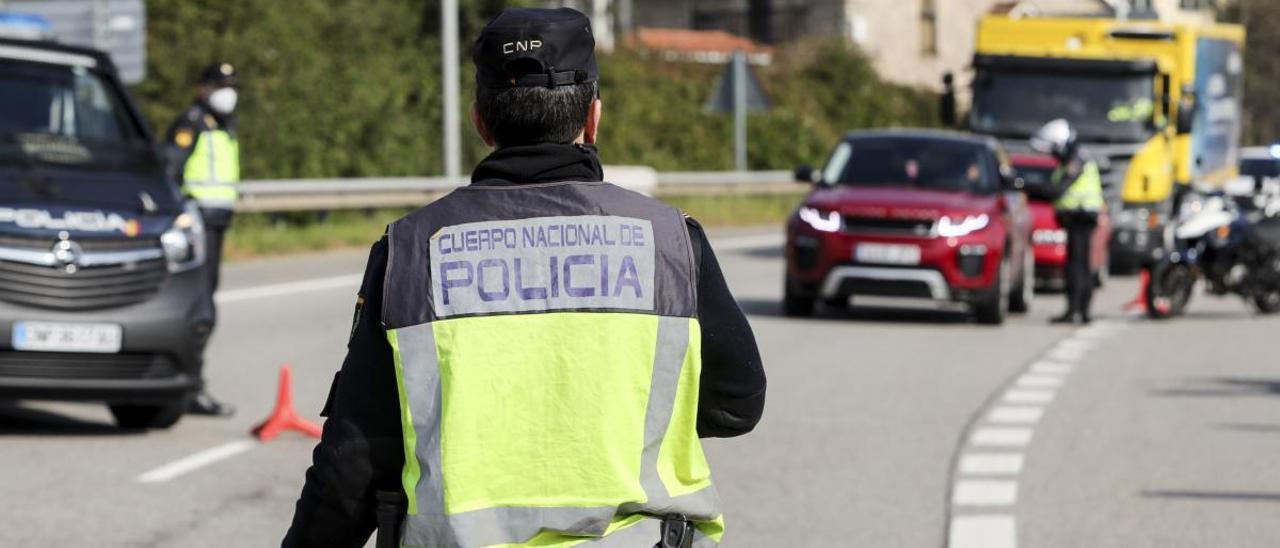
(223, 100)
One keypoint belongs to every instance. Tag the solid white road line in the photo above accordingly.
(985, 493)
(991, 464)
(1006, 414)
(196, 461)
(1038, 397)
(1001, 437)
(752, 241)
(349, 281)
(1051, 368)
(994, 531)
(1039, 381)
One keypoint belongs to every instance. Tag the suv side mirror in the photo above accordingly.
(805, 174)
(1009, 179)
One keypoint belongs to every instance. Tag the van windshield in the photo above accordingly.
(61, 114)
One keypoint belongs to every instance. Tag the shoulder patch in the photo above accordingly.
(184, 137)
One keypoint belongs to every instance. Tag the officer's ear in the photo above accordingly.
(592, 126)
(481, 129)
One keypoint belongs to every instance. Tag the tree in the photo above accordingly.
(1261, 19)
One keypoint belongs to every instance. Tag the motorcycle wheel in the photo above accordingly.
(1269, 303)
(1169, 290)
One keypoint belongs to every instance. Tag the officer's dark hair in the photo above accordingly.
(531, 115)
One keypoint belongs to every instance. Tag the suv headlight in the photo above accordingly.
(825, 222)
(183, 243)
(950, 227)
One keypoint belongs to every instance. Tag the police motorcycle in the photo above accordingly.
(1233, 243)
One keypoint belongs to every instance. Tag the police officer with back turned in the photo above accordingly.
(204, 156)
(535, 356)
(1080, 200)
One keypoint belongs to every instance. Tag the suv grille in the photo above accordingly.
(88, 287)
(41, 365)
(915, 227)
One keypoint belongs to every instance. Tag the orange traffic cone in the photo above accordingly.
(1140, 302)
(285, 417)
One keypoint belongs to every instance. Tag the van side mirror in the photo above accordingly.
(806, 174)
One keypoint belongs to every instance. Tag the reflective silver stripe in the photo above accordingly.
(668, 361)
(216, 203)
(430, 526)
(213, 153)
(640, 535)
(417, 348)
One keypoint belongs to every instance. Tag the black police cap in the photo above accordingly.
(219, 74)
(530, 47)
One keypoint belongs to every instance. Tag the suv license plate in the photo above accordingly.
(896, 254)
(102, 338)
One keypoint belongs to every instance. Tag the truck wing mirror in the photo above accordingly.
(1186, 116)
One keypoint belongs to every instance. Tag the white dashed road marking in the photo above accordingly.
(985, 493)
(988, 466)
(991, 464)
(983, 532)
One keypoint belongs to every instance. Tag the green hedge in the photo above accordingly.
(351, 88)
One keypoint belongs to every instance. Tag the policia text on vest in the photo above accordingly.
(537, 354)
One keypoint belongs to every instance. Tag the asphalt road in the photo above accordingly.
(883, 428)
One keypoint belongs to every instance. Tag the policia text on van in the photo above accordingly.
(535, 355)
(102, 294)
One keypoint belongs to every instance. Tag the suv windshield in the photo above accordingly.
(916, 162)
(61, 114)
(1103, 107)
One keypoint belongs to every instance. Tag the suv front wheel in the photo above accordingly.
(154, 416)
(990, 309)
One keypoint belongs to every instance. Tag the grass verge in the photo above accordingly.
(270, 234)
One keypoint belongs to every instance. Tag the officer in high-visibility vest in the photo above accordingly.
(535, 356)
(204, 156)
(1079, 183)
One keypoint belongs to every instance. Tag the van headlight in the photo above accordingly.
(183, 243)
(951, 227)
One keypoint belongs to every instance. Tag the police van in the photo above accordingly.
(102, 291)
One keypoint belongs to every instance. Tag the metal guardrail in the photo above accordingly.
(369, 193)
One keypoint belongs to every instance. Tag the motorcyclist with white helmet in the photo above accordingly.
(1079, 184)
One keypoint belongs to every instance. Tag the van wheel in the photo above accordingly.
(990, 309)
(149, 417)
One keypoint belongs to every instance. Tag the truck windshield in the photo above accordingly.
(915, 162)
(1103, 107)
(61, 114)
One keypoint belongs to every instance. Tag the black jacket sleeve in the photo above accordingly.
(733, 383)
(361, 451)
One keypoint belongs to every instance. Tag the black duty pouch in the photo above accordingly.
(392, 506)
(677, 532)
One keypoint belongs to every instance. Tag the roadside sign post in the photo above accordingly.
(739, 92)
(449, 60)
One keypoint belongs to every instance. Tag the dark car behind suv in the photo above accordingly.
(913, 214)
(102, 291)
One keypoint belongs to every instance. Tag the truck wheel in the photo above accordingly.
(1024, 291)
(156, 417)
(991, 307)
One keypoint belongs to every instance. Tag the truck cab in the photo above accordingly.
(103, 294)
(1157, 105)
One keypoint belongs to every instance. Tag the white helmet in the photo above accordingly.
(1057, 138)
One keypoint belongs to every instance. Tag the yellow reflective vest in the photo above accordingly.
(1084, 193)
(213, 169)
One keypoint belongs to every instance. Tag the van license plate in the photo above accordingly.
(895, 254)
(105, 338)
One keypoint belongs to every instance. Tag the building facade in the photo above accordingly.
(912, 42)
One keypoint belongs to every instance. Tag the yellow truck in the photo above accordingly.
(1156, 104)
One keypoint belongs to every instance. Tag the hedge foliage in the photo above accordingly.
(1261, 19)
(351, 88)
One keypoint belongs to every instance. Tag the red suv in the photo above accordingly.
(1047, 236)
(912, 213)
